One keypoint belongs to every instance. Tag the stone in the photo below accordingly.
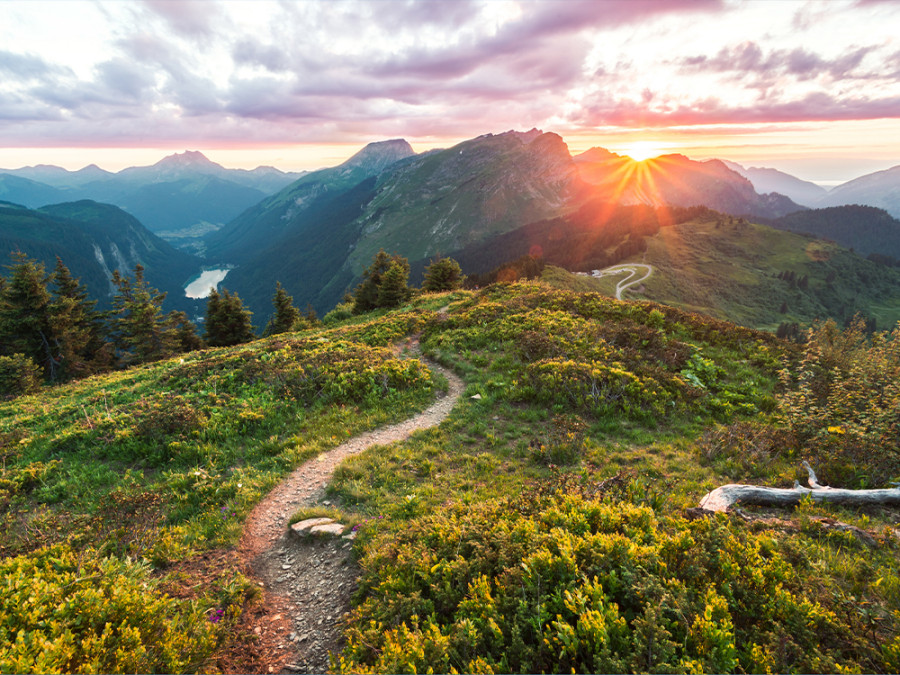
(477, 397)
(302, 528)
(331, 528)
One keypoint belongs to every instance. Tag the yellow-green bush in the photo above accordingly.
(568, 583)
(63, 611)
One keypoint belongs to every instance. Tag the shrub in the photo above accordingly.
(443, 274)
(564, 583)
(62, 611)
(843, 402)
(18, 375)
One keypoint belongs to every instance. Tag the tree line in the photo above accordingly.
(50, 330)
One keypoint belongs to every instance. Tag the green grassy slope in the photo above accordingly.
(730, 270)
(541, 527)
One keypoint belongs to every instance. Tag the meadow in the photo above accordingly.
(544, 526)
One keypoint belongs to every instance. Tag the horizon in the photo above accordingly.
(330, 155)
(808, 87)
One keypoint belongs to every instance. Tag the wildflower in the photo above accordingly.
(216, 616)
(837, 430)
(240, 485)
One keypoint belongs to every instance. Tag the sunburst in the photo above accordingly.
(643, 150)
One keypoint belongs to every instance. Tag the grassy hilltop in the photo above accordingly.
(755, 275)
(540, 528)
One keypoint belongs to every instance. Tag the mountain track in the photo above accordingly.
(630, 280)
(307, 584)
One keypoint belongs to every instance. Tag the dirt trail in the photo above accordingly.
(630, 280)
(307, 584)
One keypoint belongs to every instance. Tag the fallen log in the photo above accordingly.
(726, 496)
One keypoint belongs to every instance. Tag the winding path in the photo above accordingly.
(308, 584)
(630, 280)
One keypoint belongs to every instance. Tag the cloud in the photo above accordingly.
(749, 58)
(190, 18)
(24, 67)
(352, 69)
(125, 79)
(815, 107)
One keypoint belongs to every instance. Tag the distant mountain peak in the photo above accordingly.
(188, 159)
(526, 136)
(379, 155)
(596, 154)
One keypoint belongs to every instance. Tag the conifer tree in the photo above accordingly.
(368, 293)
(140, 329)
(312, 319)
(78, 330)
(227, 320)
(185, 332)
(25, 315)
(394, 289)
(286, 315)
(443, 274)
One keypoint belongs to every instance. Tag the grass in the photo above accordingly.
(598, 423)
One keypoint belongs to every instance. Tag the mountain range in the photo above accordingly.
(180, 197)
(880, 189)
(485, 202)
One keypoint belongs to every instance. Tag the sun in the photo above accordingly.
(641, 150)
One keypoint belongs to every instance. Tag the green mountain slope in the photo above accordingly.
(414, 205)
(175, 195)
(754, 275)
(93, 240)
(541, 527)
(284, 214)
(866, 229)
(435, 202)
(27, 192)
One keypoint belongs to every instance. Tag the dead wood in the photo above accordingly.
(726, 496)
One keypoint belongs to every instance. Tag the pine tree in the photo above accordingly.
(25, 315)
(286, 315)
(78, 331)
(310, 316)
(227, 321)
(185, 332)
(368, 294)
(394, 289)
(140, 329)
(443, 274)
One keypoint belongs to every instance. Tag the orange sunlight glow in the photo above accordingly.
(641, 150)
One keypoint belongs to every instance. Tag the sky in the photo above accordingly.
(811, 87)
